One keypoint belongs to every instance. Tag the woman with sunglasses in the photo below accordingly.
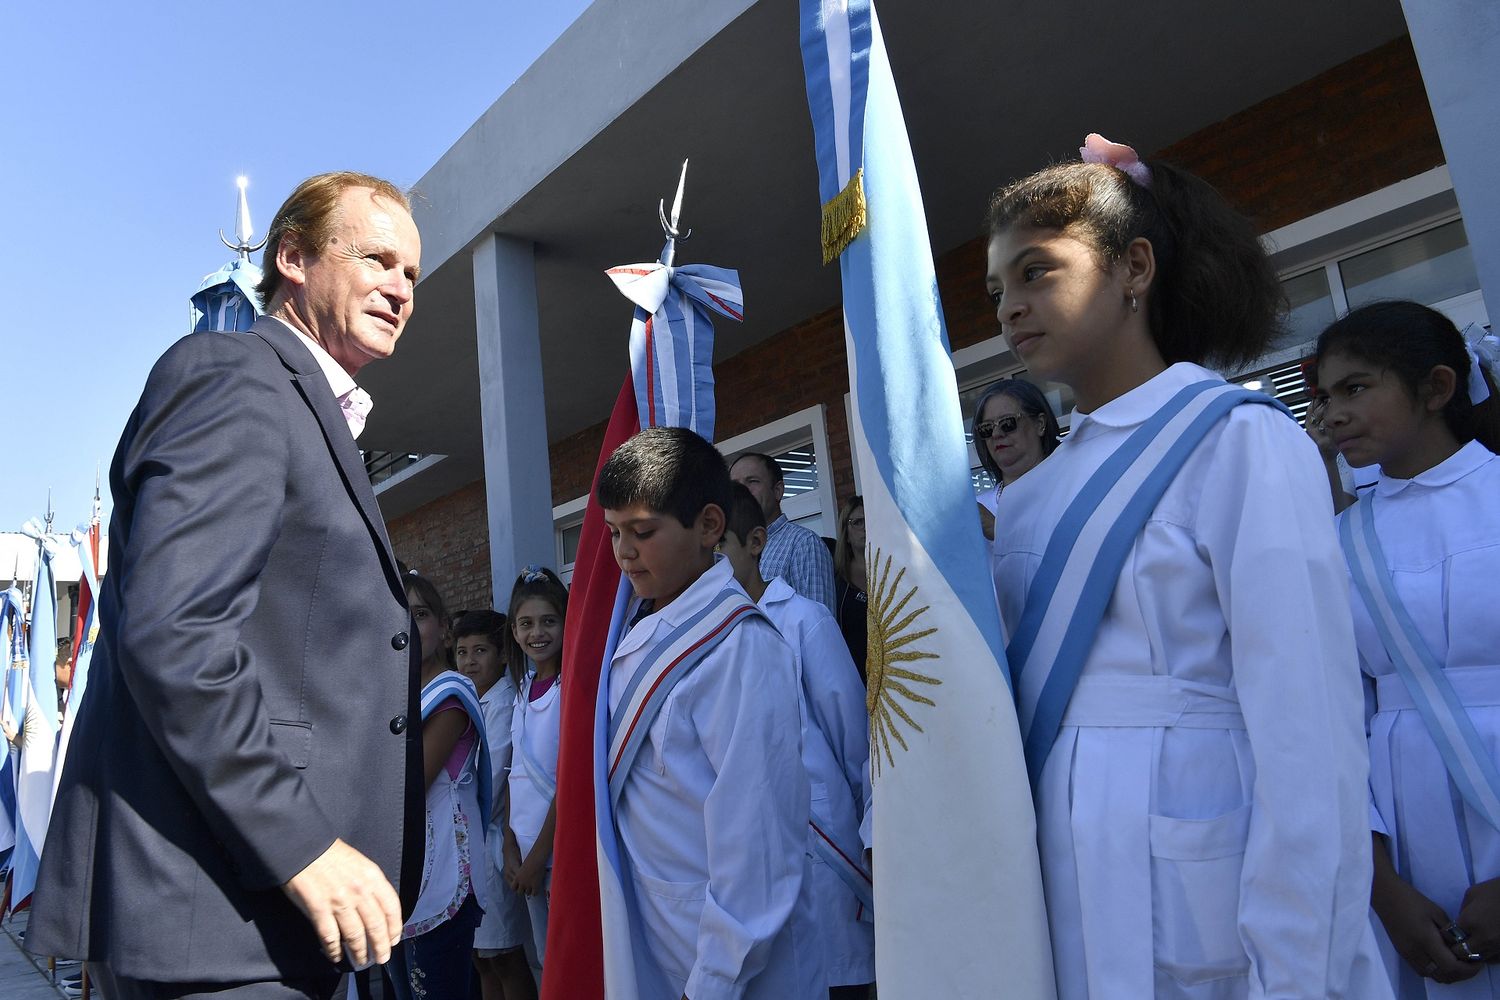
(1014, 429)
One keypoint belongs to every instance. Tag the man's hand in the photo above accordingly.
(351, 905)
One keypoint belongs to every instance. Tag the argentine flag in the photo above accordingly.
(950, 785)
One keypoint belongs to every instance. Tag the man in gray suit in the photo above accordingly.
(244, 781)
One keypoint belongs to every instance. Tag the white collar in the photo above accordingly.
(698, 595)
(777, 591)
(1456, 466)
(1136, 406)
(339, 380)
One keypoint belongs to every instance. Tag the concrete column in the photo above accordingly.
(1458, 49)
(518, 487)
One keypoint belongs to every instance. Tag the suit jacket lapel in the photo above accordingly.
(313, 386)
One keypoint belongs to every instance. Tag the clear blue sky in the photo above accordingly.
(122, 131)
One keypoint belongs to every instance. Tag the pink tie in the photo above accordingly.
(356, 404)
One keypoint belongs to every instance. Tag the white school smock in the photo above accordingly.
(713, 814)
(1441, 535)
(1203, 815)
(836, 752)
(536, 726)
(504, 923)
(454, 858)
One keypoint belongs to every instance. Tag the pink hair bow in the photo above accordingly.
(1097, 149)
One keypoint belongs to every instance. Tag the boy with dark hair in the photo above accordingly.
(710, 795)
(835, 751)
(499, 942)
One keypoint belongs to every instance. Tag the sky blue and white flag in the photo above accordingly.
(950, 783)
(38, 723)
(86, 540)
(672, 338)
(226, 299)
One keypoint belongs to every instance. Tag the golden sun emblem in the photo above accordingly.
(891, 637)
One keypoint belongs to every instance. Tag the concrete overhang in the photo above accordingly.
(574, 156)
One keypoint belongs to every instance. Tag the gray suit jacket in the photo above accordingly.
(254, 690)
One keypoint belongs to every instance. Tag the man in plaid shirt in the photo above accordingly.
(792, 552)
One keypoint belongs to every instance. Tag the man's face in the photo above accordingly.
(752, 473)
(357, 292)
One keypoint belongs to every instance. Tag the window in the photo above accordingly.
(1405, 241)
(567, 528)
(799, 444)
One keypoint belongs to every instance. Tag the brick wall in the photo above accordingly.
(1358, 127)
(448, 541)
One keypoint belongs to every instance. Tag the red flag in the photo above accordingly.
(574, 969)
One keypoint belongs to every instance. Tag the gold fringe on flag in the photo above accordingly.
(844, 216)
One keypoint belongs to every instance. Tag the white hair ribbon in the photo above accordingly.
(1484, 355)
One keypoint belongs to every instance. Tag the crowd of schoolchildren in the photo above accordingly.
(1275, 775)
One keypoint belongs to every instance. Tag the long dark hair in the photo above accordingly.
(1408, 340)
(1215, 298)
(533, 581)
(1033, 403)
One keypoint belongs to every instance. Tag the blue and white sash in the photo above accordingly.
(846, 864)
(672, 660)
(536, 771)
(1464, 755)
(450, 684)
(1066, 601)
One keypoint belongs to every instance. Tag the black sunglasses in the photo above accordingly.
(1005, 427)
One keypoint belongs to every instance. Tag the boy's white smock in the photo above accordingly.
(1203, 816)
(713, 815)
(836, 751)
(1441, 535)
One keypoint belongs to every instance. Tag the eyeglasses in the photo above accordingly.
(1005, 427)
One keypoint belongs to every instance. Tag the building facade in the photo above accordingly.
(1335, 152)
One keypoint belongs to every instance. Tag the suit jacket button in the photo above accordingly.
(398, 725)
(398, 641)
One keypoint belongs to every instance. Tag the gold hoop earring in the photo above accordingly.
(1134, 305)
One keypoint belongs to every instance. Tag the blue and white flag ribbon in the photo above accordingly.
(1465, 757)
(226, 299)
(950, 778)
(1072, 587)
(672, 339)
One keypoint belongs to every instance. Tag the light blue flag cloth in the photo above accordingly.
(39, 723)
(226, 299)
(950, 779)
